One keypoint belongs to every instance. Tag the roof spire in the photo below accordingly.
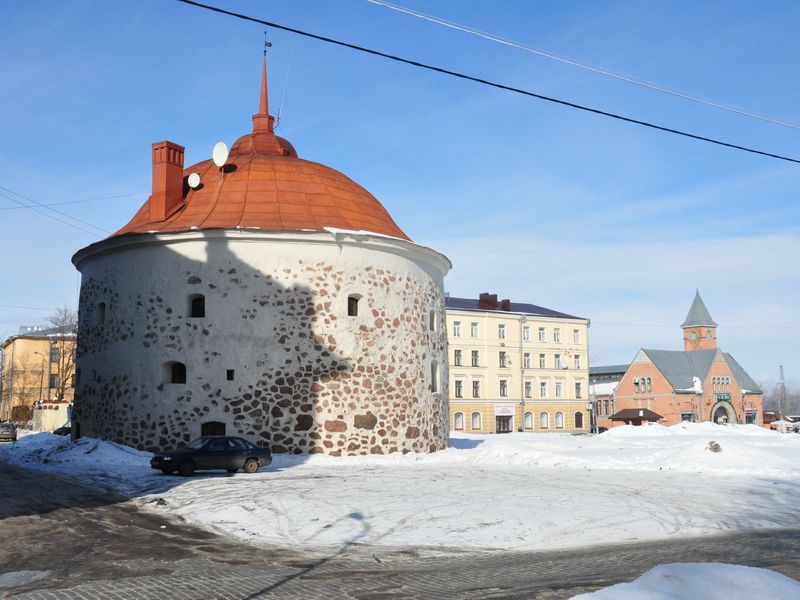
(263, 121)
(698, 314)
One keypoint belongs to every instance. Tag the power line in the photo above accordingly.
(582, 65)
(72, 201)
(488, 83)
(7, 193)
(781, 327)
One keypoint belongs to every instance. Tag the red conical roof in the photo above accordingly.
(266, 186)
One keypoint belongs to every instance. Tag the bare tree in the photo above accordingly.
(65, 323)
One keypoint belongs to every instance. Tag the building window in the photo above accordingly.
(101, 313)
(558, 361)
(559, 389)
(504, 388)
(543, 389)
(432, 321)
(501, 331)
(557, 335)
(576, 336)
(458, 421)
(53, 382)
(197, 306)
(174, 372)
(54, 355)
(526, 360)
(544, 420)
(502, 359)
(578, 389)
(476, 421)
(526, 334)
(528, 389)
(474, 330)
(577, 361)
(527, 420)
(434, 377)
(542, 335)
(456, 328)
(476, 389)
(687, 416)
(578, 420)
(459, 392)
(352, 305)
(229, 374)
(542, 361)
(559, 420)
(475, 356)
(649, 384)
(457, 358)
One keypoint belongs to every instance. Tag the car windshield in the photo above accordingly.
(198, 443)
(7, 426)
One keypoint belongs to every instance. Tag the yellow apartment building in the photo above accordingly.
(36, 378)
(516, 367)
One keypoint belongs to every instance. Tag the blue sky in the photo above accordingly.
(534, 201)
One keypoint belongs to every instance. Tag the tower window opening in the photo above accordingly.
(101, 313)
(229, 374)
(174, 372)
(352, 305)
(197, 306)
(434, 377)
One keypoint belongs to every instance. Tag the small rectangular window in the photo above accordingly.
(475, 356)
(476, 389)
(526, 334)
(557, 335)
(559, 388)
(502, 359)
(459, 388)
(526, 360)
(528, 389)
(542, 335)
(501, 331)
(542, 361)
(543, 389)
(456, 328)
(53, 382)
(352, 306)
(474, 330)
(503, 388)
(54, 355)
(577, 361)
(576, 336)
(578, 390)
(229, 374)
(558, 361)
(457, 358)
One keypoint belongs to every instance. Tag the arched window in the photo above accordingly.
(544, 420)
(559, 420)
(476, 421)
(649, 384)
(101, 313)
(458, 421)
(174, 372)
(212, 428)
(527, 422)
(352, 305)
(197, 306)
(578, 420)
(434, 376)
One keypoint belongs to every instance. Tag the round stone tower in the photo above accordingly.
(276, 300)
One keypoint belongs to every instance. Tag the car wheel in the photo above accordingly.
(186, 468)
(167, 471)
(232, 470)
(250, 465)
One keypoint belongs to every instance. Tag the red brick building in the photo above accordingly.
(701, 383)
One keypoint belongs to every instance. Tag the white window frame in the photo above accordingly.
(457, 329)
(544, 420)
(457, 358)
(543, 389)
(526, 333)
(542, 361)
(476, 387)
(559, 419)
(473, 416)
(475, 358)
(528, 389)
(559, 389)
(474, 329)
(577, 361)
(502, 386)
(458, 416)
(527, 420)
(542, 334)
(501, 331)
(458, 388)
(557, 335)
(526, 360)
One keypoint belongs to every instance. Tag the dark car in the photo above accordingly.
(63, 430)
(8, 432)
(213, 452)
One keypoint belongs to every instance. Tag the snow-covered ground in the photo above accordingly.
(514, 491)
(706, 581)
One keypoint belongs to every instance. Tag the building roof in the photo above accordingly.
(69, 332)
(627, 414)
(265, 186)
(681, 368)
(698, 314)
(608, 369)
(515, 307)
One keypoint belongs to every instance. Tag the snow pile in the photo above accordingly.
(516, 491)
(696, 581)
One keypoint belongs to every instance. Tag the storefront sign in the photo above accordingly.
(504, 410)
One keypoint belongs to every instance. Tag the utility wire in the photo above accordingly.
(582, 65)
(7, 193)
(72, 201)
(487, 82)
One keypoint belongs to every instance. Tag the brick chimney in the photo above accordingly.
(505, 305)
(167, 180)
(488, 301)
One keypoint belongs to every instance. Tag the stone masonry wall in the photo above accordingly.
(306, 376)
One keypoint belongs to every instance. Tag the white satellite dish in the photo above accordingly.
(220, 154)
(194, 180)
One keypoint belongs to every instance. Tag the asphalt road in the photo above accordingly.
(63, 540)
